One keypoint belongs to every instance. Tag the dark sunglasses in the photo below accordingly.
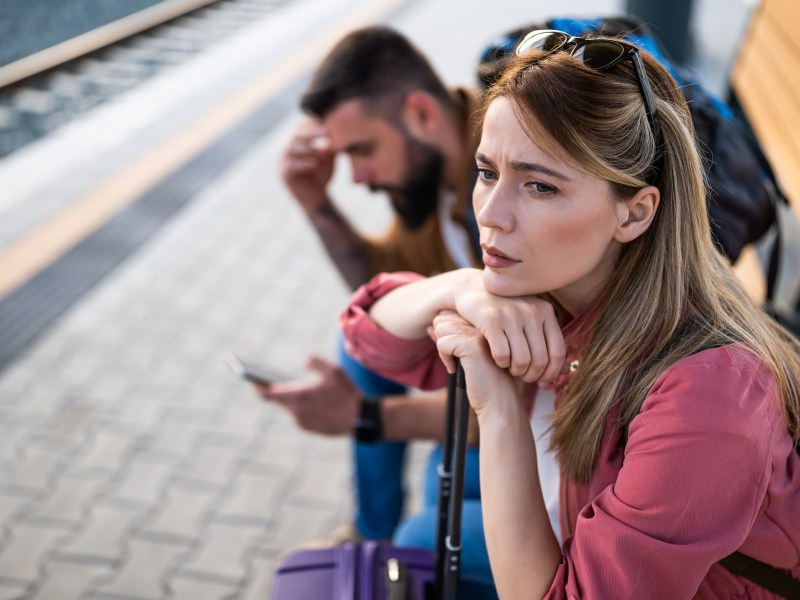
(599, 54)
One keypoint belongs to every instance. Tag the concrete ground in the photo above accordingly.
(133, 464)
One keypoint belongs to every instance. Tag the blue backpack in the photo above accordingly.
(743, 191)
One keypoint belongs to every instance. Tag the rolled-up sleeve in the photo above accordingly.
(695, 476)
(414, 363)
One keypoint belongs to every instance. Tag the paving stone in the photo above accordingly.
(69, 501)
(10, 438)
(143, 574)
(138, 416)
(199, 416)
(222, 555)
(326, 482)
(197, 589)
(254, 497)
(36, 469)
(168, 374)
(246, 421)
(259, 583)
(111, 383)
(66, 581)
(213, 465)
(12, 591)
(279, 452)
(28, 545)
(76, 369)
(36, 407)
(329, 449)
(17, 381)
(106, 451)
(297, 524)
(71, 426)
(102, 538)
(10, 508)
(181, 516)
(142, 483)
(176, 437)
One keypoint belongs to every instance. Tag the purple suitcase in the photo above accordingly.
(376, 571)
(355, 572)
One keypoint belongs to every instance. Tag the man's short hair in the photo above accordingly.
(373, 64)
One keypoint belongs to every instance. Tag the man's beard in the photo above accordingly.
(417, 199)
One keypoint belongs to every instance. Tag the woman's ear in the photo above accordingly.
(422, 114)
(636, 215)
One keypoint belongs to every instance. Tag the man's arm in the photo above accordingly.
(330, 404)
(307, 166)
(345, 247)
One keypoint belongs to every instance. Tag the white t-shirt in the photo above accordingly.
(455, 237)
(549, 476)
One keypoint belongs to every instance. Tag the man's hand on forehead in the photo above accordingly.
(312, 133)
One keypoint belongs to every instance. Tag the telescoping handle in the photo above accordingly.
(452, 556)
(445, 484)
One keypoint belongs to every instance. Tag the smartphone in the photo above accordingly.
(250, 371)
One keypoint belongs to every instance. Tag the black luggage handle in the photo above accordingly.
(445, 484)
(451, 487)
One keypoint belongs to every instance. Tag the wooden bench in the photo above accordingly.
(765, 82)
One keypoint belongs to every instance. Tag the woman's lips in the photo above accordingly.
(495, 259)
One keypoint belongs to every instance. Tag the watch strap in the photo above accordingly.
(368, 427)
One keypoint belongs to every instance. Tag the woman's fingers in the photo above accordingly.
(524, 338)
(521, 347)
(454, 336)
(538, 357)
(500, 347)
(556, 350)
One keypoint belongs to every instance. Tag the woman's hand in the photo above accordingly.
(458, 338)
(523, 333)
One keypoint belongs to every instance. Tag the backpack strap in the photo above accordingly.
(767, 576)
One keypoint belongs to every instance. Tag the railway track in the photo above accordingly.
(62, 86)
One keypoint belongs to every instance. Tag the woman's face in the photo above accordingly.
(544, 226)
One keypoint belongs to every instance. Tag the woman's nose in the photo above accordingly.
(494, 210)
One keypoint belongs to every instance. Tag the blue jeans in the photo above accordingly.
(380, 494)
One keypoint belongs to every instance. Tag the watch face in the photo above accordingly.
(366, 431)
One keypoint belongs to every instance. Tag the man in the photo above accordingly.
(376, 99)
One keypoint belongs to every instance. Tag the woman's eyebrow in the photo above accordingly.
(525, 167)
(537, 168)
(483, 158)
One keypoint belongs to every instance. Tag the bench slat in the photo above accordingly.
(786, 12)
(766, 79)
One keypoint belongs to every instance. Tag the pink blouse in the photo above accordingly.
(709, 468)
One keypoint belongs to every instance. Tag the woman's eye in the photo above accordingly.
(542, 189)
(486, 175)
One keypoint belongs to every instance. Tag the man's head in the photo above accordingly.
(381, 103)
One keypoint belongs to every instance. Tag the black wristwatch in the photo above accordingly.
(367, 427)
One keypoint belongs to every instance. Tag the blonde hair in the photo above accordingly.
(596, 122)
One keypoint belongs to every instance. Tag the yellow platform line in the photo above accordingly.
(50, 240)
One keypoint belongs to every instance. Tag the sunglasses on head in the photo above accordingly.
(598, 54)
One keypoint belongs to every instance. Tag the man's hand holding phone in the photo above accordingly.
(253, 372)
(328, 404)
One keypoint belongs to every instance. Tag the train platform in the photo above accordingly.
(143, 237)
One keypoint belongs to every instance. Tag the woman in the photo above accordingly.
(676, 399)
